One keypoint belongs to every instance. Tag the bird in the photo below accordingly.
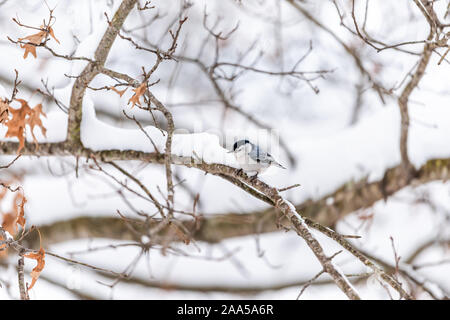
(251, 158)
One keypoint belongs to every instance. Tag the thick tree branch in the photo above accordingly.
(327, 210)
(410, 86)
(92, 69)
(217, 228)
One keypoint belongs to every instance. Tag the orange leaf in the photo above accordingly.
(138, 92)
(9, 219)
(36, 272)
(16, 125)
(35, 38)
(35, 120)
(9, 225)
(50, 30)
(16, 217)
(21, 213)
(22, 117)
(29, 48)
(4, 111)
(119, 92)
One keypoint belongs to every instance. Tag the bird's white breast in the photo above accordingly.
(247, 163)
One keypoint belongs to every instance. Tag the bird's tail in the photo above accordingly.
(278, 165)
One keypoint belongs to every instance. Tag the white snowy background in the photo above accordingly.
(316, 127)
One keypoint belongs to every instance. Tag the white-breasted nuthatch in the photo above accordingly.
(251, 158)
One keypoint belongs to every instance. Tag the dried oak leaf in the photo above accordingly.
(11, 220)
(36, 272)
(21, 212)
(119, 92)
(138, 92)
(22, 117)
(16, 125)
(4, 111)
(29, 48)
(52, 34)
(16, 217)
(35, 40)
(9, 225)
(35, 120)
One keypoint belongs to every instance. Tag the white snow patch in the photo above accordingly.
(98, 135)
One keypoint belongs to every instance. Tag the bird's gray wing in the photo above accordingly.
(260, 155)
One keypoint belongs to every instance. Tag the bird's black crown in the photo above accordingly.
(239, 143)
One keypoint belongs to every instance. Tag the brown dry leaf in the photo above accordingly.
(138, 92)
(16, 217)
(35, 120)
(10, 219)
(36, 272)
(8, 225)
(21, 213)
(29, 48)
(119, 92)
(4, 111)
(52, 34)
(35, 38)
(16, 125)
(22, 117)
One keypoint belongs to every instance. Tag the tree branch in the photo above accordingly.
(92, 69)
(408, 168)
